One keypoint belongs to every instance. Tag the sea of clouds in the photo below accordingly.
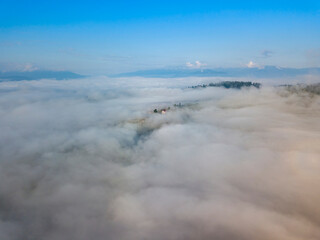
(87, 159)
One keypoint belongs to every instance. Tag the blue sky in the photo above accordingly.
(104, 37)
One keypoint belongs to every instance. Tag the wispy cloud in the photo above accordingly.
(21, 67)
(30, 68)
(267, 53)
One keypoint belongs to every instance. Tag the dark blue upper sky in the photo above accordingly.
(116, 36)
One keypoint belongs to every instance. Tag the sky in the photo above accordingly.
(107, 37)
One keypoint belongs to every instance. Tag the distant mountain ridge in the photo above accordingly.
(38, 74)
(266, 72)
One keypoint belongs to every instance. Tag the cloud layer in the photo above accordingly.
(86, 159)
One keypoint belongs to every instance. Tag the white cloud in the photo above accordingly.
(197, 64)
(251, 64)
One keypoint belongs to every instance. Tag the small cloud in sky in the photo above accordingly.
(252, 64)
(29, 68)
(266, 53)
(197, 64)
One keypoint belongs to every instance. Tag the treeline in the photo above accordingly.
(229, 84)
(311, 88)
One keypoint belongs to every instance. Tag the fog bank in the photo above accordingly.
(88, 159)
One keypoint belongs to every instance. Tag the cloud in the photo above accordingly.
(85, 159)
(29, 68)
(251, 64)
(12, 66)
(266, 53)
(197, 64)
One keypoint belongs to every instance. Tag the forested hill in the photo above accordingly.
(229, 84)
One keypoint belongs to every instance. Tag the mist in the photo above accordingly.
(88, 159)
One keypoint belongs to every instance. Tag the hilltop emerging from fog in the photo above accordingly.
(229, 84)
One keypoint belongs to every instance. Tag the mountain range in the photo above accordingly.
(266, 72)
(37, 74)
